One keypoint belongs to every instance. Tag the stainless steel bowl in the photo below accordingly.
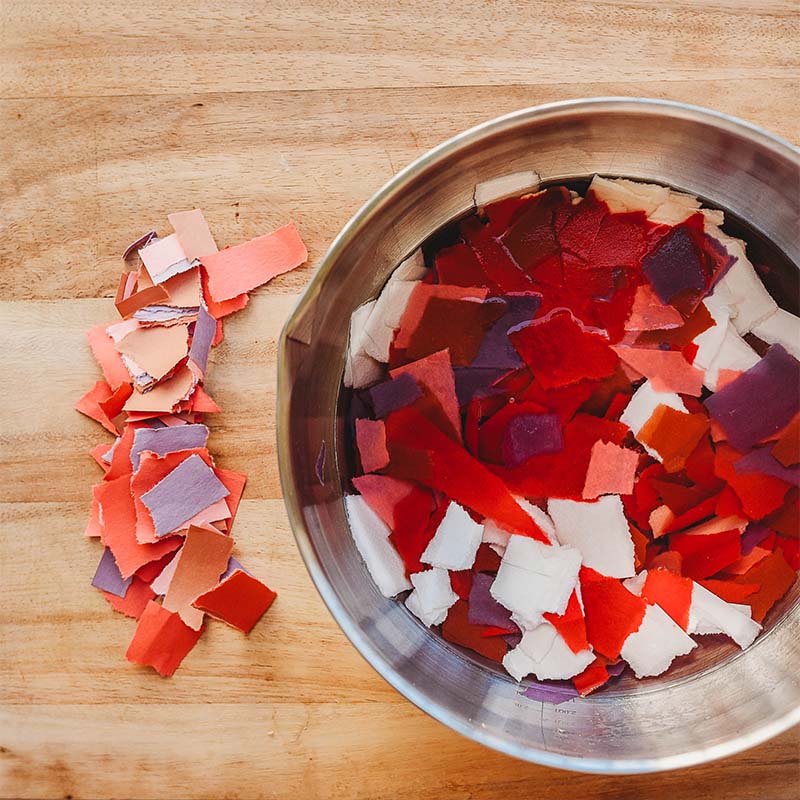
(721, 702)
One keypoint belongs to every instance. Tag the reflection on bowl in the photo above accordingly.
(719, 701)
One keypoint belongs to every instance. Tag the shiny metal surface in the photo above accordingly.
(721, 701)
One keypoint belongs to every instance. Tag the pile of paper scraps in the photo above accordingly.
(575, 425)
(164, 511)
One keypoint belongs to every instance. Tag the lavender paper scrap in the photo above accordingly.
(496, 350)
(760, 402)
(168, 439)
(529, 435)
(483, 609)
(107, 577)
(554, 693)
(674, 265)
(204, 331)
(474, 381)
(762, 461)
(755, 533)
(233, 565)
(189, 489)
(393, 394)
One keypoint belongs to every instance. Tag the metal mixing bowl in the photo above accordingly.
(720, 701)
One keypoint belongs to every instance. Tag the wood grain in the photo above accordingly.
(113, 114)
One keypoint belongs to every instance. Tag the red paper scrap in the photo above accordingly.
(240, 601)
(161, 640)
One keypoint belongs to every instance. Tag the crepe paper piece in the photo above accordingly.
(193, 234)
(161, 640)
(759, 494)
(656, 644)
(674, 265)
(571, 625)
(191, 487)
(165, 396)
(438, 462)
(560, 352)
(203, 558)
(204, 330)
(535, 578)
(239, 600)
(461, 583)
(160, 584)
(128, 304)
(434, 374)
(709, 614)
(734, 357)
(89, 405)
(762, 461)
(592, 678)
(107, 577)
(371, 536)
(612, 612)
(483, 609)
(728, 591)
(706, 555)
(650, 314)
(383, 494)
(393, 394)
(612, 470)
(93, 527)
(455, 542)
(671, 592)
(371, 442)
(136, 598)
(544, 653)
(496, 350)
(774, 577)
(530, 435)
(219, 310)
(644, 403)
(118, 528)
(107, 356)
(201, 402)
(164, 258)
(153, 468)
(667, 370)
(142, 241)
(234, 482)
(790, 547)
(672, 435)
(781, 328)
(432, 596)
(101, 453)
(760, 402)
(457, 629)
(417, 515)
(360, 368)
(240, 269)
(741, 289)
(167, 440)
(384, 319)
(579, 525)
(156, 350)
(787, 449)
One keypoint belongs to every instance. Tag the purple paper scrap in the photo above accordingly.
(107, 577)
(186, 491)
(204, 331)
(393, 394)
(168, 439)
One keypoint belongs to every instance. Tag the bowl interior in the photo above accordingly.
(717, 699)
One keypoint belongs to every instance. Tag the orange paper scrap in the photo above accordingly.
(162, 640)
(236, 270)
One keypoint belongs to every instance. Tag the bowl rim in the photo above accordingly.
(362, 643)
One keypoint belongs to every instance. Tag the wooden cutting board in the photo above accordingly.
(113, 114)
